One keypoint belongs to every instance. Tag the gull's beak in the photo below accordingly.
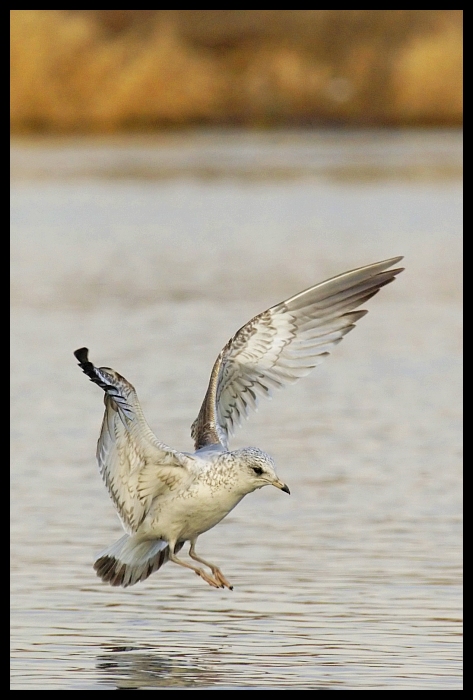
(281, 485)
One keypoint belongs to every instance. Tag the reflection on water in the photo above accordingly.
(136, 668)
(357, 157)
(355, 580)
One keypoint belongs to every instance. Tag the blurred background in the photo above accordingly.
(173, 173)
(108, 70)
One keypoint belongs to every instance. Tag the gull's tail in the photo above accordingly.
(131, 559)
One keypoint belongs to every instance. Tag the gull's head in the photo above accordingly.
(257, 470)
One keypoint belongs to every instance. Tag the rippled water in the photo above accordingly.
(152, 252)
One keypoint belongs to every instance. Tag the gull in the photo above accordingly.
(165, 497)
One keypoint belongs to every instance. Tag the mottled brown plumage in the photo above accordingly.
(282, 344)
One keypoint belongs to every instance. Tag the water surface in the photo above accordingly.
(152, 252)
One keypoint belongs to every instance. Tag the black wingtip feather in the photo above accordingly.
(82, 354)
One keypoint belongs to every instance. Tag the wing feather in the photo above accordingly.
(282, 344)
(135, 466)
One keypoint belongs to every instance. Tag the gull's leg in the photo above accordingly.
(215, 570)
(200, 572)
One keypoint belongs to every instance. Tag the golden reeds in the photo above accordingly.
(104, 70)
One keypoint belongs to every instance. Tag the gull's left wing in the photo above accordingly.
(282, 344)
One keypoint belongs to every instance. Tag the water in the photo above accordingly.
(152, 252)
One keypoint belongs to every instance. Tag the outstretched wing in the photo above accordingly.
(283, 344)
(135, 466)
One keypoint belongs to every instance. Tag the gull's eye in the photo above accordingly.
(258, 471)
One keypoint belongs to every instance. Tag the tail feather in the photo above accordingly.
(130, 560)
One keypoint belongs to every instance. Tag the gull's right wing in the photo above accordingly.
(135, 466)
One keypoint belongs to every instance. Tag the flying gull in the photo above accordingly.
(166, 498)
